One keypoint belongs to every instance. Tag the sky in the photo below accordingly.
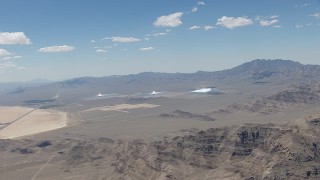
(62, 39)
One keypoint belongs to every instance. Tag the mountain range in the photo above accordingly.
(258, 71)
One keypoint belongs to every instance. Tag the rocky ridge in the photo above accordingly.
(302, 94)
(186, 115)
(251, 151)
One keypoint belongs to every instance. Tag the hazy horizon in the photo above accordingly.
(58, 40)
(44, 80)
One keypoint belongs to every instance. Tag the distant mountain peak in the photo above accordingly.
(273, 61)
(270, 63)
(267, 67)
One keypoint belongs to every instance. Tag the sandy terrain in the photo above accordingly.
(35, 122)
(9, 114)
(121, 107)
(174, 140)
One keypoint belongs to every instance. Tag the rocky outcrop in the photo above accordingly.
(186, 115)
(307, 93)
(250, 151)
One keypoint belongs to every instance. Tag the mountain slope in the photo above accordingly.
(289, 151)
(260, 69)
(254, 72)
(301, 94)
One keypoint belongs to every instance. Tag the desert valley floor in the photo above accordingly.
(175, 134)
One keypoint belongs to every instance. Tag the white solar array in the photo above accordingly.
(203, 90)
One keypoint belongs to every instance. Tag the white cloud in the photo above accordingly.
(12, 57)
(274, 16)
(266, 17)
(206, 28)
(299, 26)
(259, 17)
(171, 20)
(195, 9)
(194, 27)
(101, 51)
(9, 66)
(201, 3)
(268, 23)
(232, 22)
(147, 49)
(316, 15)
(159, 34)
(63, 48)
(93, 41)
(123, 39)
(276, 26)
(147, 39)
(14, 38)
(4, 53)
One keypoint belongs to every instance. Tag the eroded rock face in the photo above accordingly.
(288, 151)
(259, 152)
(250, 151)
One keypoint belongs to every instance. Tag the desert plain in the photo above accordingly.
(268, 122)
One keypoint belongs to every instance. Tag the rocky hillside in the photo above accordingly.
(306, 93)
(261, 68)
(246, 152)
(289, 151)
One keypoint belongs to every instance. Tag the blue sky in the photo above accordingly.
(59, 39)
